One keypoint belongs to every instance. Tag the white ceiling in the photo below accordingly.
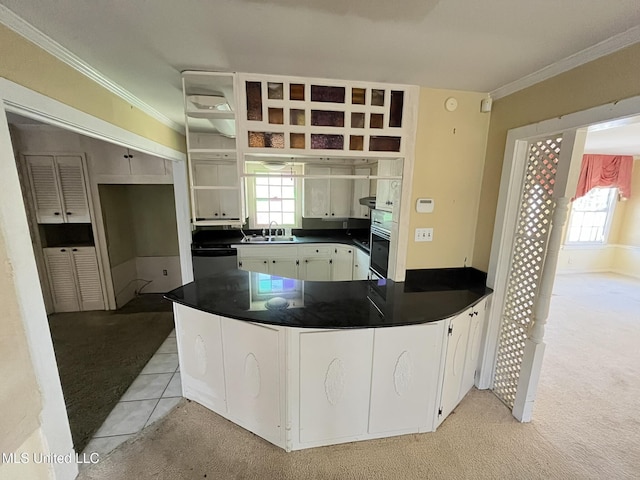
(142, 45)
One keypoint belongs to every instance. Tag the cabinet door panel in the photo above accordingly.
(260, 265)
(404, 386)
(229, 199)
(142, 164)
(62, 279)
(207, 202)
(201, 362)
(316, 269)
(473, 348)
(252, 374)
(44, 189)
(73, 189)
(360, 265)
(361, 189)
(317, 203)
(335, 378)
(89, 284)
(454, 363)
(284, 267)
(342, 264)
(341, 193)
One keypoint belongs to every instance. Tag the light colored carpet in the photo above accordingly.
(584, 425)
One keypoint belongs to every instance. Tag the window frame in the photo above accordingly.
(610, 211)
(250, 183)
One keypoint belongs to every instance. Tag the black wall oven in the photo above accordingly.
(380, 242)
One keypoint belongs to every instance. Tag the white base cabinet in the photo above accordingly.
(74, 279)
(313, 262)
(327, 386)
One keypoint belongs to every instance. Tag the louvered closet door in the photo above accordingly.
(62, 279)
(88, 278)
(72, 186)
(44, 188)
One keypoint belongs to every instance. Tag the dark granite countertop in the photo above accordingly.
(426, 296)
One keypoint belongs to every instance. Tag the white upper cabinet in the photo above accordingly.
(389, 190)
(215, 190)
(58, 188)
(361, 189)
(296, 115)
(327, 197)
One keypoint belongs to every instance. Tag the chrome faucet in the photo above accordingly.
(272, 222)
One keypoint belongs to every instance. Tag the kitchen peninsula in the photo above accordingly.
(304, 364)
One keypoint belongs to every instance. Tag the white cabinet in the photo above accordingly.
(342, 263)
(201, 360)
(113, 164)
(215, 190)
(360, 265)
(58, 188)
(477, 318)
(252, 367)
(463, 346)
(388, 190)
(316, 262)
(335, 377)
(404, 383)
(74, 278)
(280, 260)
(324, 197)
(253, 264)
(284, 267)
(361, 189)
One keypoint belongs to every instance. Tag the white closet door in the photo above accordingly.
(62, 279)
(44, 189)
(73, 188)
(88, 278)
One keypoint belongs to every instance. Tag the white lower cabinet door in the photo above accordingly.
(342, 264)
(360, 265)
(473, 348)
(62, 279)
(253, 376)
(316, 269)
(201, 364)
(454, 364)
(88, 277)
(406, 363)
(335, 379)
(254, 264)
(284, 267)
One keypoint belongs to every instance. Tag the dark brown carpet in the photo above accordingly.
(99, 354)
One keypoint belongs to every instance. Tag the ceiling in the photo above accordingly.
(143, 45)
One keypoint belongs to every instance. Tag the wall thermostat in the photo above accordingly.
(424, 205)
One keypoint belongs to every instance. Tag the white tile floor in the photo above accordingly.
(150, 397)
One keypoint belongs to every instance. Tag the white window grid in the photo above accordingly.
(590, 217)
(275, 200)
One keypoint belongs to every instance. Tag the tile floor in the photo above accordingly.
(150, 397)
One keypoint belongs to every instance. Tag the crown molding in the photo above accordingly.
(35, 36)
(610, 45)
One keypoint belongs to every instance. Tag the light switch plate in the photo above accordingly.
(424, 234)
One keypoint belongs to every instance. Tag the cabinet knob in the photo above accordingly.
(69, 213)
(273, 261)
(264, 261)
(349, 251)
(306, 261)
(224, 214)
(317, 251)
(326, 214)
(74, 249)
(216, 214)
(63, 249)
(332, 214)
(56, 213)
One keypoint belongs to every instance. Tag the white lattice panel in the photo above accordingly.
(530, 243)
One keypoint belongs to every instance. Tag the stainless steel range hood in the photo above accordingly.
(368, 202)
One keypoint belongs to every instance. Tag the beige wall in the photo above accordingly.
(153, 213)
(26, 64)
(601, 81)
(118, 223)
(20, 399)
(449, 160)
(140, 221)
(33, 445)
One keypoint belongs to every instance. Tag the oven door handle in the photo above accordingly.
(381, 233)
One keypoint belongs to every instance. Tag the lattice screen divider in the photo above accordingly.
(527, 260)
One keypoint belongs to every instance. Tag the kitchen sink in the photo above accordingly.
(270, 239)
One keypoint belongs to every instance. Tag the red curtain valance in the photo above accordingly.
(605, 171)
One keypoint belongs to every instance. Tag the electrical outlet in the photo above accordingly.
(424, 235)
(164, 272)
